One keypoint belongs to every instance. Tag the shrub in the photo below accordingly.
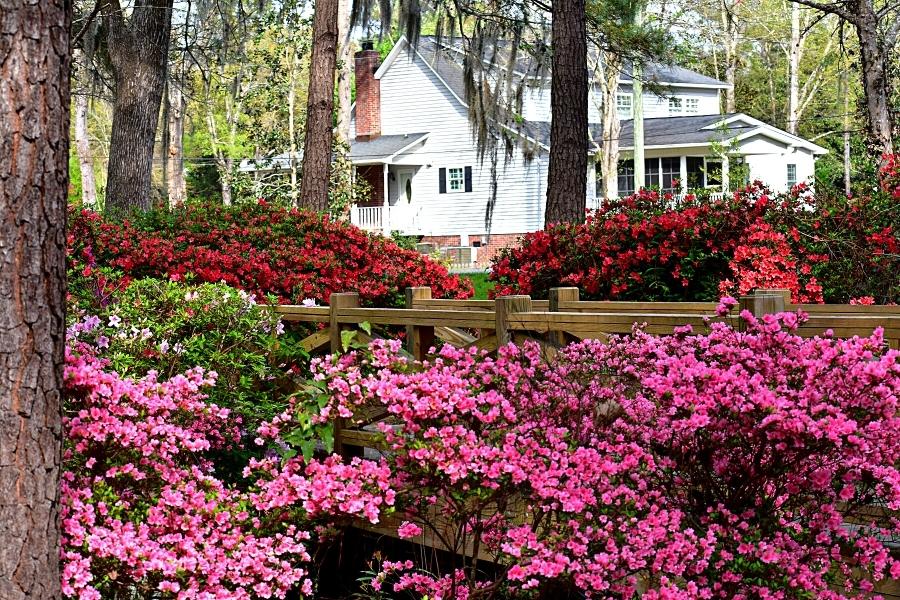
(261, 248)
(144, 514)
(728, 464)
(638, 248)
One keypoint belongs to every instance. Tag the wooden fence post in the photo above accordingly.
(336, 302)
(419, 339)
(557, 296)
(785, 294)
(764, 302)
(503, 308)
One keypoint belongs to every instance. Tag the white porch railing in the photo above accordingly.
(675, 202)
(405, 218)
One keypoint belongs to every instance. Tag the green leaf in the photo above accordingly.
(347, 338)
(366, 326)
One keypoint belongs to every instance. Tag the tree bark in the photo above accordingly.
(175, 181)
(795, 55)
(731, 57)
(609, 159)
(346, 72)
(876, 84)
(83, 145)
(138, 51)
(34, 144)
(567, 176)
(320, 108)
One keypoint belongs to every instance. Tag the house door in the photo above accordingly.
(404, 187)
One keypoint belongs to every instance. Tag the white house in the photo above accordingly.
(412, 142)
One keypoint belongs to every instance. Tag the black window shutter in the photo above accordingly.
(468, 179)
(442, 181)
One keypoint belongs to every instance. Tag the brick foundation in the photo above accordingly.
(486, 252)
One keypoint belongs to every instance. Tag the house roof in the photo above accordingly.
(691, 130)
(384, 148)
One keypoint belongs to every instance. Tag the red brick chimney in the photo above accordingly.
(368, 94)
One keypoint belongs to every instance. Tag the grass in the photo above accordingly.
(480, 283)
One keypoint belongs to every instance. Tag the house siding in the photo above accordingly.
(414, 99)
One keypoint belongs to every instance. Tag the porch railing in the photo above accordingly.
(405, 218)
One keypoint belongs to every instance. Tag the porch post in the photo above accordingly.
(683, 174)
(725, 183)
(386, 211)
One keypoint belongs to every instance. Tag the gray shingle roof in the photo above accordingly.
(660, 131)
(382, 147)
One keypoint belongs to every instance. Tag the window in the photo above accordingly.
(713, 173)
(626, 177)
(695, 172)
(671, 173)
(691, 106)
(651, 172)
(455, 180)
(623, 106)
(791, 175)
(675, 106)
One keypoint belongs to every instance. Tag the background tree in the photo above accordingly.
(138, 49)
(34, 144)
(320, 107)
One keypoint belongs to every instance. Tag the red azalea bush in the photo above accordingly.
(727, 464)
(890, 175)
(638, 248)
(262, 248)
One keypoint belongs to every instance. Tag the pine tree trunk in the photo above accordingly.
(83, 147)
(320, 108)
(731, 58)
(567, 176)
(34, 177)
(175, 182)
(138, 53)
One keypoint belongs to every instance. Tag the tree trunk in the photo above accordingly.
(34, 144)
(292, 126)
(138, 53)
(567, 176)
(845, 88)
(609, 159)
(320, 108)
(731, 57)
(83, 144)
(175, 182)
(346, 72)
(795, 55)
(876, 85)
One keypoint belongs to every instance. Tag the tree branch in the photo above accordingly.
(834, 9)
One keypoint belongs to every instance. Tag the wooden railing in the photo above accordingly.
(564, 317)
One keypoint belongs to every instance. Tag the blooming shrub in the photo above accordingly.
(261, 248)
(144, 514)
(890, 175)
(638, 248)
(728, 464)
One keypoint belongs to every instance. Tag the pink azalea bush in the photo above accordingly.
(723, 464)
(145, 515)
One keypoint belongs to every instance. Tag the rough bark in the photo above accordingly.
(34, 145)
(138, 50)
(83, 141)
(876, 84)
(292, 127)
(175, 180)
(567, 175)
(845, 89)
(320, 108)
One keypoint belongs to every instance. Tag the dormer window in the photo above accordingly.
(675, 106)
(624, 106)
(691, 106)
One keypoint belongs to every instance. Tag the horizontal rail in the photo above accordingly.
(308, 314)
(640, 307)
(417, 317)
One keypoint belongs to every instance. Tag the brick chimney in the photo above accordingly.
(368, 94)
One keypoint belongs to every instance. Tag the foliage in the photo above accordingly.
(641, 248)
(261, 248)
(169, 327)
(143, 513)
(728, 464)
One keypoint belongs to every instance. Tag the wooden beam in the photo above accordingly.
(419, 338)
(506, 309)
